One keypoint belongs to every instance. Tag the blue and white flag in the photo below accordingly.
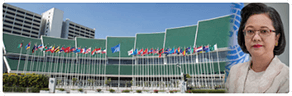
(235, 55)
(116, 48)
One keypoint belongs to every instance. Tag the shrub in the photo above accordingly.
(61, 89)
(175, 91)
(80, 90)
(98, 90)
(35, 90)
(155, 91)
(46, 89)
(171, 91)
(139, 91)
(126, 91)
(112, 90)
(207, 91)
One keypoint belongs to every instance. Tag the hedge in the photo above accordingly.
(21, 89)
(205, 91)
(27, 80)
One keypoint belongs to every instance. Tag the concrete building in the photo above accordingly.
(53, 24)
(21, 22)
(71, 30)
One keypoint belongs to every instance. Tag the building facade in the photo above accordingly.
(72, 30)
(21, 22)
(150, 71)
(50, 23)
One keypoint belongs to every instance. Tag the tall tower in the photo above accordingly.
(53, 22)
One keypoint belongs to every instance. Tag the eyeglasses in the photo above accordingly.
(263, 32)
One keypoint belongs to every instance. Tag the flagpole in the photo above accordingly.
(197, 66)
(105, 65)
(38, 63)
(192, 65)
(44, 66)
(26, 60)
(119, 68)
(211, 69)
(61, 66)
(218, 63)
(32, 60)
(19, 56)
(206, 64)
(201, 64)
(99, 66)
(148, 69)
(132, 70)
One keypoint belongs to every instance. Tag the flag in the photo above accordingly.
(215, 47)
(171, 51)
(115, 48)
(234, 55)
(57, 49)
(62, 49)
(178, 50)
(78, 50)
(72, 49)
(135, 52)
(66, 50)
(188, 50)
(95, 51)
(49, 49)
(194, 50)
(184, 52)
(145, 51)
(160, 52)
(52, 49)
(141, 51)
(41, 47)
(174, 51)
(103, 51)
(27, 46)
(88, 50)
(130, 52)
(199, 49)
(83, 50)
(34, 48)
(150, 51)
(166, 52)
(206, 48)
(45, 48)
(98, 50)
(155, 51)
(20, 45)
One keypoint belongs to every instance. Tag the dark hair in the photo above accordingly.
(259, 8)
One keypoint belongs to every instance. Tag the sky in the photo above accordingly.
(128, 19)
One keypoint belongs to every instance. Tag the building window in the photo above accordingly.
(49, 17)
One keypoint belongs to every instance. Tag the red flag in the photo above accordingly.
(95, 51)
(145, 51)
(67, 50)
(160, 52)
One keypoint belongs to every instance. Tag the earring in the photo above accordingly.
(276, 43)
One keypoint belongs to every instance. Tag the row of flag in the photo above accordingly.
(178, 50)
(59, 49)
(116, 48)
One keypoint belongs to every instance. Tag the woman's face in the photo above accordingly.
(258, 44)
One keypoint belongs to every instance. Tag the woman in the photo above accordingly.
(262, 36)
